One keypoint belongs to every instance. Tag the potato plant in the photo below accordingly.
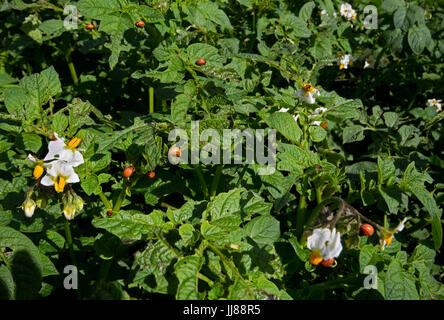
(101, 199)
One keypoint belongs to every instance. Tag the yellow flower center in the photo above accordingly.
(38, 171)
(315, 257)
(308, 88)
(341, 66)
(74, 143)
(388, 240)
(59, 183)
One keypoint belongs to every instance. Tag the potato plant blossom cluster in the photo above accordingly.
(347, 11)
(435, 103)
(59, 163)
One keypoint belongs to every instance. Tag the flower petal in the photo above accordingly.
(47, 181)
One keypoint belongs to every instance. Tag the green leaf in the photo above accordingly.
(116, 47)
(32, 142)
(386, 169)
(399, 284)
(286, 125)
(236, 204)
(52, 28)
(264, 229)
(186, 232)
(6, 79)
(392, 197)
(25, 263)
(392, 5)
(187, 270)
(390, 118)
(317, 133)
(322, 47)
(150, 15)
(239, 291)
(129, 226)
(205, 51)
(7, 284)
(417, 39)
(37, 88)
(302, 254)
(52, 80)
(15, 100)
(59, 122)
(97, 9)
(353, 133)
(179, 108)
(413, 181)
(211, 11)
(306, 10)
(400, 19)
(91, 184)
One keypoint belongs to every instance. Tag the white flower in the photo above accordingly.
(347, 11)
(383, 62)
(58, 150)
(325, 244)
(308, 93)
(319, 111)
(29, 207)
(58, 174)
(435, 103)
(346, 60)
(388, 237)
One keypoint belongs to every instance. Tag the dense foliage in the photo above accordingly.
(86, 176)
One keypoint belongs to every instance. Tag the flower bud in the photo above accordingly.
(28, 207)
(69, 211)
(38, 171)
(78, 202)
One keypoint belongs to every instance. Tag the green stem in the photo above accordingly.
(201, 178)
(69, 242)
(72, 68)
(120, 199)
(105, 201)
(232, 267)
(215, 182)
(166, 205)
(151, 98)
(5, 260)
(205, 278)
(71, 250)
(300, 215)
(319, 195)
